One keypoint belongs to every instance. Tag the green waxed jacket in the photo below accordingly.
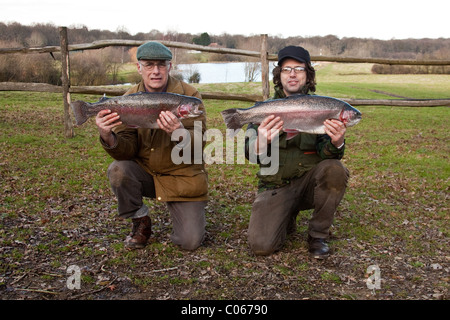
(296, 156)
(152, 148)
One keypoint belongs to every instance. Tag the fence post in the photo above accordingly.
(265, 67)
(65, 77)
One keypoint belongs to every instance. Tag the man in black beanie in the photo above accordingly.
(310, 174)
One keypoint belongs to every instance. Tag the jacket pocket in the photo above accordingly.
(185, 186)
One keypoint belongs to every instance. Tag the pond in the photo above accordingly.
(221, 72)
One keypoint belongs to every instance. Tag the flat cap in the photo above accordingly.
(153, 51)
(297, 53)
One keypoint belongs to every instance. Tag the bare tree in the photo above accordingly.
(251, 69)
(114, 59)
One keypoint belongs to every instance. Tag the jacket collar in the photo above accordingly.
(279, 93)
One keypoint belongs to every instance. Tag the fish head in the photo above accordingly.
(350, 116)
(189, 111)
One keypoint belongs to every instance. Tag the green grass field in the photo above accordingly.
(57, 210)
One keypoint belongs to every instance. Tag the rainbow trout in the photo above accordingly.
(140, 110)
(300, 113)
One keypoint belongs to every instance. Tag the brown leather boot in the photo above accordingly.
(142, 229)
(318, 248)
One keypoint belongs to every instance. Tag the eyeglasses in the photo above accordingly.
(150, 66)
(289, 69)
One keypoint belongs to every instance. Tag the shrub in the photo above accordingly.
(405, 69)
(38, 67)
(177, 74)
(87, 69)
(194, 77)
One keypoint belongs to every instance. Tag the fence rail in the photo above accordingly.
(180, 45)
(118, 91)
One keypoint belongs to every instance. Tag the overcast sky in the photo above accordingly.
(382, 19)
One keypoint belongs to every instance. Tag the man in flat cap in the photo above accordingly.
(310, 174)
(143, 166)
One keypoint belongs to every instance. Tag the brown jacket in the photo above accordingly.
(152, 149)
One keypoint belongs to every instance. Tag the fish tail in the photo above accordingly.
(79, 111)
(232, 119)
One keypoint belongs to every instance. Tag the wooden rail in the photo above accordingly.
(113, 91)
(271, 57)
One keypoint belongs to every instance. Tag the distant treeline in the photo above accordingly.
(96, 67)
(399, 69)
(48, 35)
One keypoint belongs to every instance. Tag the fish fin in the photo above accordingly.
(231, 118)
(291, 133)
(297, 95)
(257, 103)
(79, 111)
(103, 98)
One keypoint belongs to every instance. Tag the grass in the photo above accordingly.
(56, 207)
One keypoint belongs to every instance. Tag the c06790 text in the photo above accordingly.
(230, 309)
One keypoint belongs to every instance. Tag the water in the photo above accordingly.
(220, 72)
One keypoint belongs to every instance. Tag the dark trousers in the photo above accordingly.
(130, 183)
(274, 211)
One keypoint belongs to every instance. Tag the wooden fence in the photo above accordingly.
(263, 55)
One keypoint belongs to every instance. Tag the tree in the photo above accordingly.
(252, 69)
(203, 40)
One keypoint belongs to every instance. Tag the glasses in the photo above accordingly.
(289, 69)
(150, 66)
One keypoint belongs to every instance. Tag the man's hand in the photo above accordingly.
(335, 129)
(268, 129)
(168, 122)
(106, 121)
